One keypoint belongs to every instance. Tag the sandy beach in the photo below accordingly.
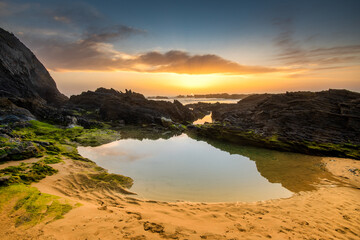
(331, 212)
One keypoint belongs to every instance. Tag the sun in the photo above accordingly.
(196, 82)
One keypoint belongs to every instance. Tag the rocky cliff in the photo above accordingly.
(26, 88)
(21, 73)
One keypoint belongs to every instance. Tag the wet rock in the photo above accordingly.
(166, 122)
(10, 113)
(4, 180)
(16, 149)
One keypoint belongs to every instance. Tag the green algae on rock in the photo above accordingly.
(31, 206)
(226, 132)
(25, 173)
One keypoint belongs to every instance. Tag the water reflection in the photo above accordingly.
(296, 172)
(194, 169)
(207, 118)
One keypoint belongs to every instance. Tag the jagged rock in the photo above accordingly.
(326, 122)
(10, 113)
(21, 73)
(26, 88)
(201, 109)
(327, 116)
(18, 150)
(129, 107)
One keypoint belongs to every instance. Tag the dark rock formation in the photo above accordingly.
(26, 87)
(14, 148)
(201, 109)
(129, 107)
(9, 112)
(21, 73)
(327, 116)
(158, 97)
(321, 122)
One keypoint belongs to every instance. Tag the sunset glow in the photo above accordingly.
(246, 49)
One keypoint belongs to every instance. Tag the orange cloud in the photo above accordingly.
(182, 62)
(92, 54)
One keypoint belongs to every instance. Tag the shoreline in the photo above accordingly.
(107, 214)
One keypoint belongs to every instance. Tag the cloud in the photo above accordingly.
(182, 62)
(292, 53)
(77, 37)
(76, 13)
(83, 54)
(8, 9)
(95, 55)
(110, 34)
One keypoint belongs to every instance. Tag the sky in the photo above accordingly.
(174, 47)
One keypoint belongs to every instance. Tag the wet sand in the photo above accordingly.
(331, 212)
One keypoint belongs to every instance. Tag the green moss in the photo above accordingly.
(76, 156)
(249, 137)
(25, 173)
(93, 137)
(273, 138)
(52, 159)
(23, 149)
(32, 206)
(59, 141)
(99, 169)
(53, 149)
(343, 150)
(46, 132)
(113, 178)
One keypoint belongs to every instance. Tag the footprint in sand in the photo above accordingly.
(211, 236)
(135, 214)
(153, 227)
(140, 237)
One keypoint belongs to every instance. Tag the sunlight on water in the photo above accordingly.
(207, 118)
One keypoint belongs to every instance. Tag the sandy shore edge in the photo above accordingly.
(331, 212)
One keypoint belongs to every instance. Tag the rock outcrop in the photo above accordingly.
(26, 87)
(326, 122)
(327, 116)
(128, 107)
(22, 75)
